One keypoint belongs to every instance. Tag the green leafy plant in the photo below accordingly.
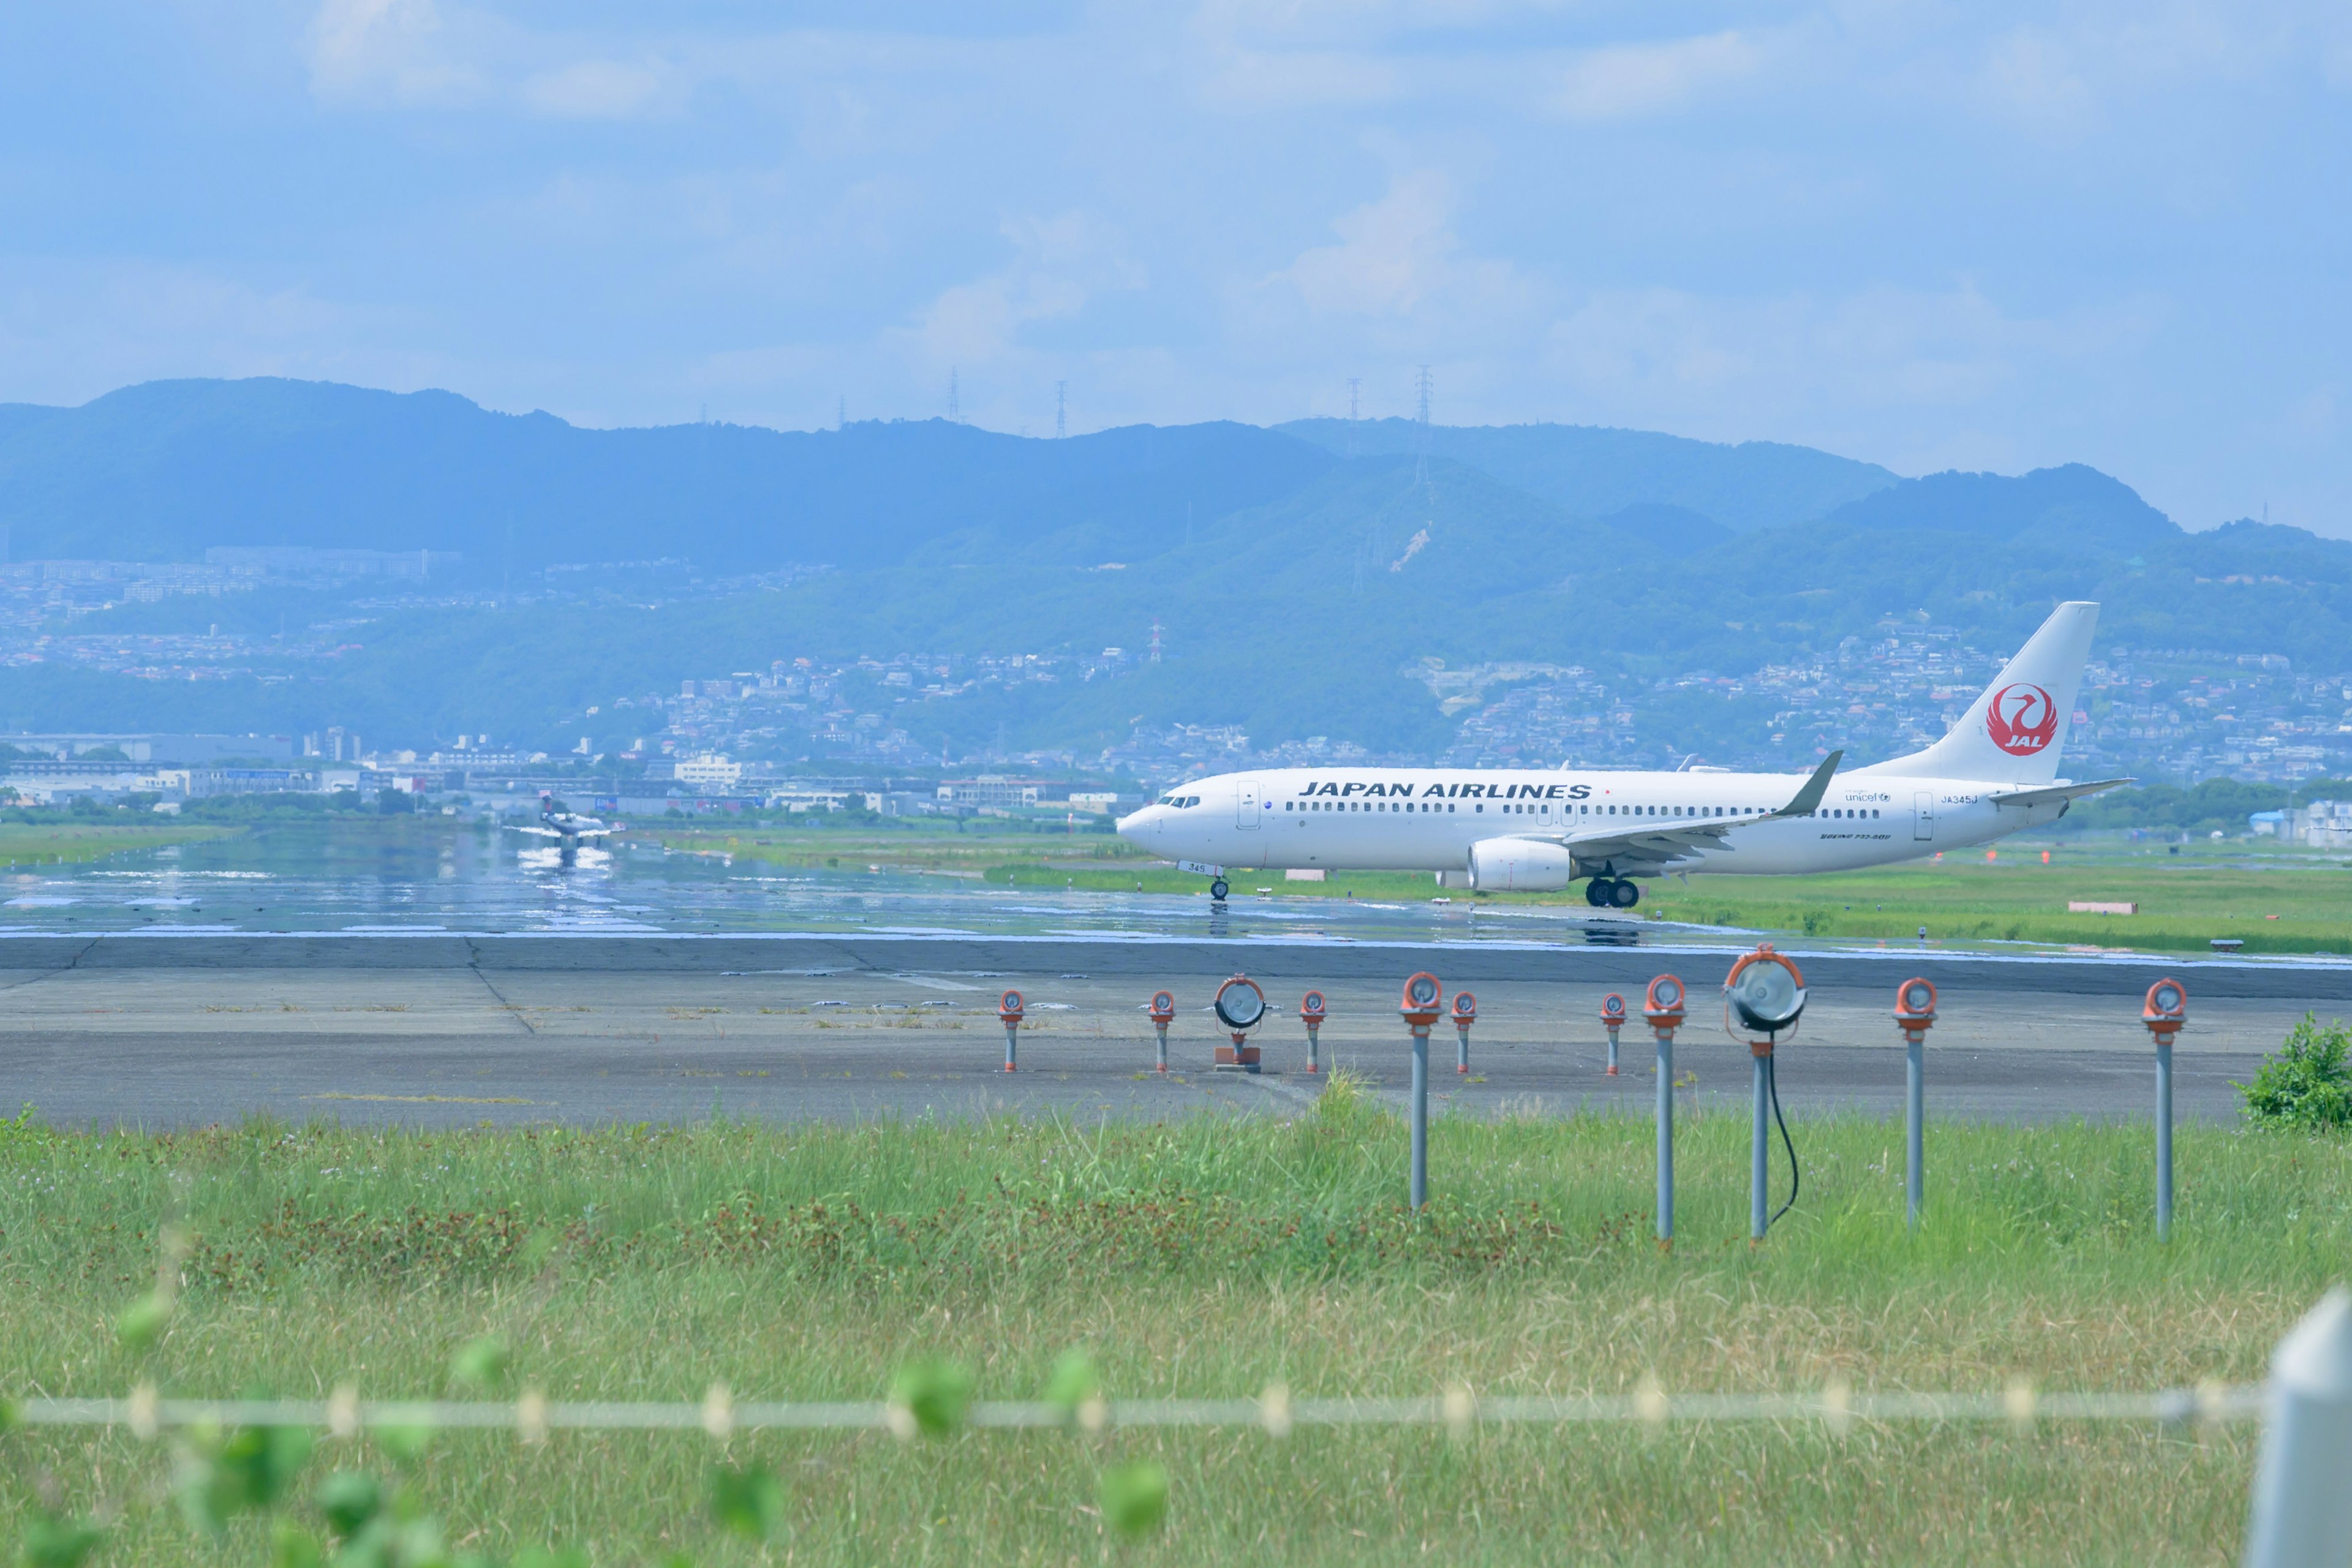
(1135, 1498)
(222, 1475)
(143, 1321)
(482, 1363)
(747, 1500)
(49, 1541)
(932, 1393)
(2307, 1081)
(1074, 1382)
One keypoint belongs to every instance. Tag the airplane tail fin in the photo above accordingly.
(2016, 731)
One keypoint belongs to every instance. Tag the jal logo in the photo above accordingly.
(2023, 719)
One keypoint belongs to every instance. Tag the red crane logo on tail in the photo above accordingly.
(2022, 719)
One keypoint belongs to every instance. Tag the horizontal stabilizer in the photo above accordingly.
(2044, 795)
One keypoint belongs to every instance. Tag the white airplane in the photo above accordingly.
(568, 828)
(1539, 830)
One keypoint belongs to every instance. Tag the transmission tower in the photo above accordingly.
(955, 410)
(1355, 384)
(1061, 416)
(1420, 435)
(840, 413)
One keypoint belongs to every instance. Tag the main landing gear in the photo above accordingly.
(1612, 893)
(1217, 892)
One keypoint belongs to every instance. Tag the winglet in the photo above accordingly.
(1808, 799)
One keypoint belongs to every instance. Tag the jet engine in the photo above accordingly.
(1520, 865)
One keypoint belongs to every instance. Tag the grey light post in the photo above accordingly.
(1009, 1011)
(1163, 1013)
(1465, 1013)
(1663, 1007)
(2301, 1513)
(1311, 1013)
(1915, 1012)
(1765, 993)
(2166, 1011)
(1612, 1018)
(1424, 1001)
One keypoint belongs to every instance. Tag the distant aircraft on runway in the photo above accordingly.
(1541, 830)
(568, 828)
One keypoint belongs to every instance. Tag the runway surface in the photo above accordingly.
(179, 1044)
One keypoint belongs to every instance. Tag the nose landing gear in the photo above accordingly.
(1612, 893)
(1217, 892)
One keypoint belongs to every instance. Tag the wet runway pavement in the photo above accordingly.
(186, 1045)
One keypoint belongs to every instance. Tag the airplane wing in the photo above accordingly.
(2049, 793)
(542, 832)
(1663, 845)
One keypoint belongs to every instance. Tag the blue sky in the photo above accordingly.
(1932, 236)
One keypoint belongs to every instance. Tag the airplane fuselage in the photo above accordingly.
(1426, 819)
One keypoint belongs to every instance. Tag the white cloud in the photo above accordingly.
(385, 49)
(592, 90)
(1918, 379)
(1062, 265)
(1391, 252)
(1397, 257)
(1628, 79)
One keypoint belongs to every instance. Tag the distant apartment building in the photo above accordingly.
(989, 792)
(709, 771)
(2322, 825)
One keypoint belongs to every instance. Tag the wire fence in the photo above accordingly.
(532, 1416)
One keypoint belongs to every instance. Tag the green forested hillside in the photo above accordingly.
(1591, 470)
(1297, 588)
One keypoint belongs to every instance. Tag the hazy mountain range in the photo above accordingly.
(1297, 571)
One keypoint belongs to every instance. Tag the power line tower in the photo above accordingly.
(1062, 423)
(955, 410)
(1355, 385)
(1420, 435)
(840, 413)
(1155, 640)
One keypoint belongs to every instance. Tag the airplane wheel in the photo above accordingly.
(1217, 890)
(1624, 895)
(1596, 893)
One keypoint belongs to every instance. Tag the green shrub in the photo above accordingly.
(2306, 1082)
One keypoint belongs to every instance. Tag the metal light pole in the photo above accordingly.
(1163, 1013)
(1311, 1013)
(1766, 993)
(1663, 1006)
(1915, 1013)
(1009, 1011)
(1240, 1008)
(1424, 999)
(2166, 1012)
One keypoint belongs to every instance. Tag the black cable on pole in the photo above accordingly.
(1772, 1084)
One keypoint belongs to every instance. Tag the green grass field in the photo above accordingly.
(73, 843)
(2186, 897)
(1200, 1258)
